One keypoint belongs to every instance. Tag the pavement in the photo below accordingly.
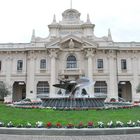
(102, 137)
(70, 134)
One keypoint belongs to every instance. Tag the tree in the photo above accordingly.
(138, 88)
(3, 90)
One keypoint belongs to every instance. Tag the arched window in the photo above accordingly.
(71, 62)
(43, 87)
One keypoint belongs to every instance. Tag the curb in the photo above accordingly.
(69, 132)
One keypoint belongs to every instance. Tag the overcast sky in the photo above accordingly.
(19, 17)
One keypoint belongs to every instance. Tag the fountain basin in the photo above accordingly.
(73, 103)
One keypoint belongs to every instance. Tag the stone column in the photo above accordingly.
(53, 56)
(135, 81)
(8, 81)
(30, 84)
(113, 82)
(89, 55)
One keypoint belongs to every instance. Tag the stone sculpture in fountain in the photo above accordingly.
(73, 95)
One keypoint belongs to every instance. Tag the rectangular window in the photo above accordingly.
(0, 65)
(19, 65)
(43, 64)
(123, 64)
(100, 63)
(71, 64)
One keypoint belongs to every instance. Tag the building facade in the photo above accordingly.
(70, 51)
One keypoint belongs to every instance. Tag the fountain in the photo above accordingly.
(73, 95)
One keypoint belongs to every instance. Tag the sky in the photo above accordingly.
(19, 17)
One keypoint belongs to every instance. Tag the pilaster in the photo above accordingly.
(112, 84)
(135, 81)
(89, 55)
(30, 84)
(8, 81)
(53, 56)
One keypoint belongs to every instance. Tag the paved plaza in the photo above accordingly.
(102, 137)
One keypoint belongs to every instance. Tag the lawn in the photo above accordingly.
(18, 115)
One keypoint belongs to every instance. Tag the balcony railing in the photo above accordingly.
(72, 71)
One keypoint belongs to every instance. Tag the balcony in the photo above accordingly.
(100, 70)
(72, 71)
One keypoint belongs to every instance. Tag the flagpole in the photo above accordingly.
(71, 4)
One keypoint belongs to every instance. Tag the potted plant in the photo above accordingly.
(138, 123)
(58, 125)
(19, 125)
(49, 125)
(80, 125)
(1, 124)
(39, 124)
(90, 124)
(100, 124)
(28, 125)
(110, 124)
(70, 125)
(119, 124)
(131, 124)
(10, 124)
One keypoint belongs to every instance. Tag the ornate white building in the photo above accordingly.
(71, 50)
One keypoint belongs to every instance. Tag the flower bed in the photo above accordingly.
(31, 106)
(89, 124)
(28, 104)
